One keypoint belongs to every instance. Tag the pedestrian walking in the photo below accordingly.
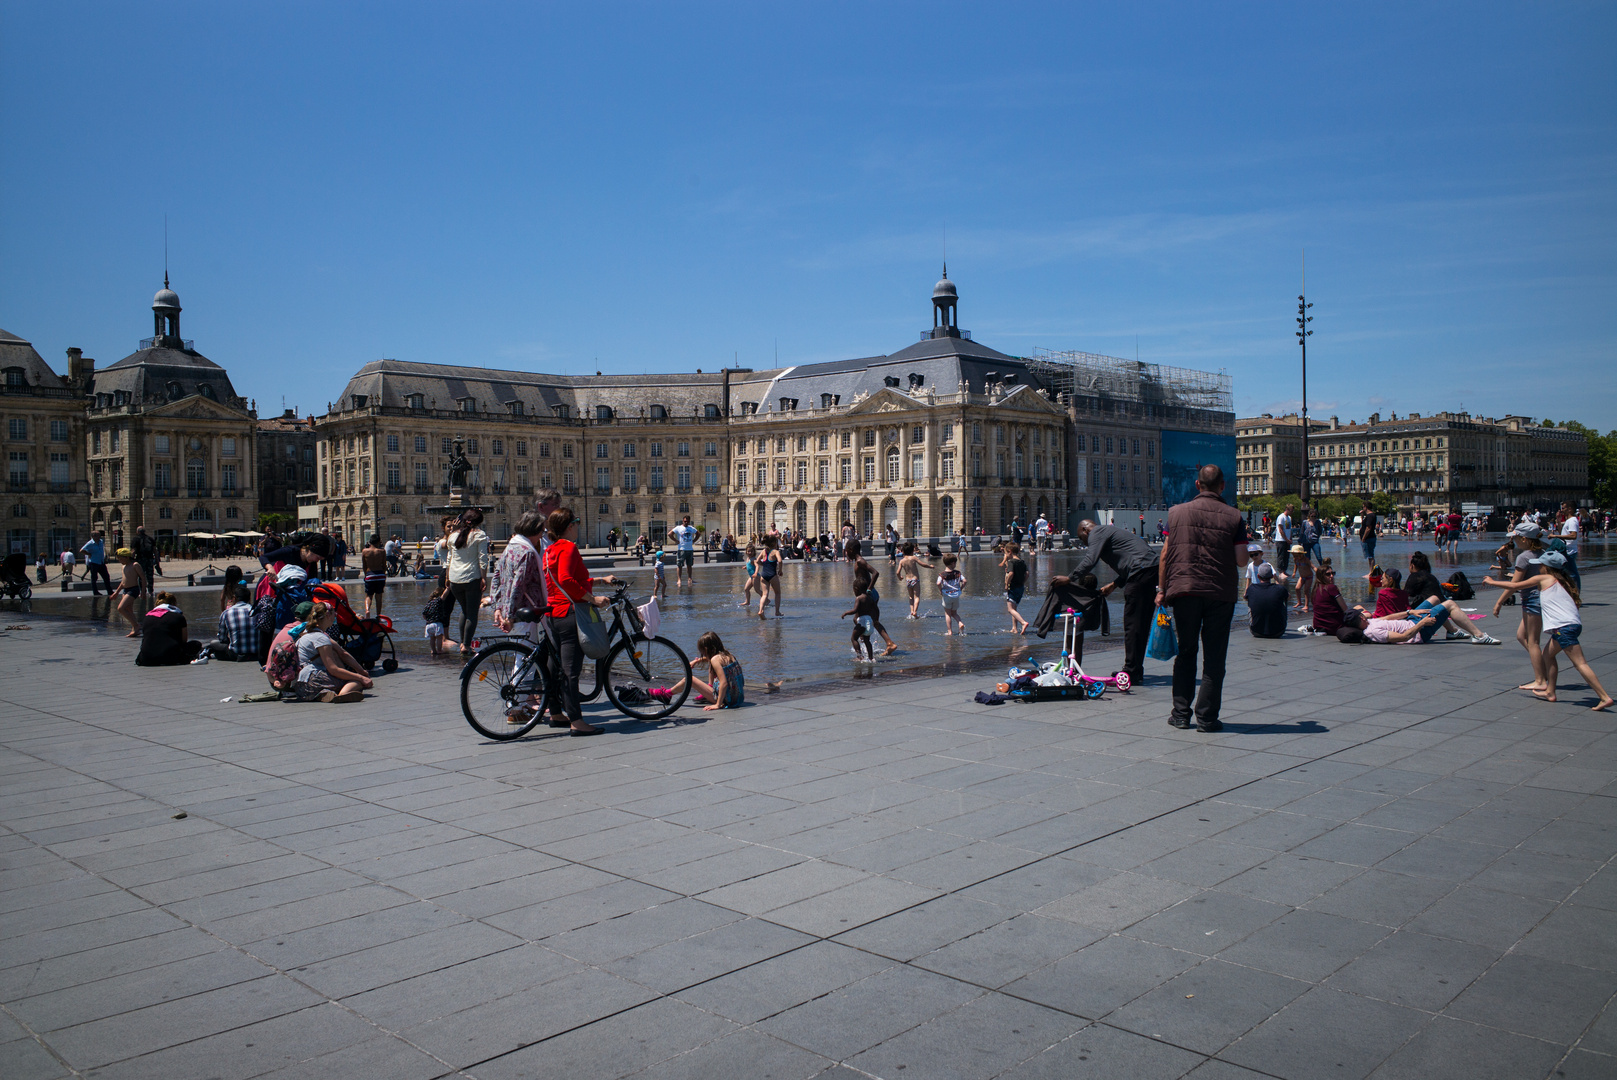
(684, 536)
(95, 563)
(1369, 526)
(1282, 540)
(1135, 564)
(468, 566)
(1200, 578)
(145, 550)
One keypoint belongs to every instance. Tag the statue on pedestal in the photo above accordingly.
(458, 468)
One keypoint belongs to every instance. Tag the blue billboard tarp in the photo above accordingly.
(1183, 455)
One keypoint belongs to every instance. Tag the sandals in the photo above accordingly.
(352, 695)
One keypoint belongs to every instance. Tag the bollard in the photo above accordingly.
(190, 579)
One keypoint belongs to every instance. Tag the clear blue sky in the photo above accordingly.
(666, 187)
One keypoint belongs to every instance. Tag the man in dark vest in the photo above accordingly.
(1200, 578)
(1136, 567)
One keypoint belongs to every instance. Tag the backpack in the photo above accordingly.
(436, 609)
(264, 613)
(1458, 587)
(282, 665)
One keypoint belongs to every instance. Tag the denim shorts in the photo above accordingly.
(1014, 596)
(1530, 603)
(1567, 636)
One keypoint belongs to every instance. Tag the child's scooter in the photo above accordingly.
(1072, 627)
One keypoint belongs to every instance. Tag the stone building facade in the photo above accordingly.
(1445, 459)
(1269, 453)
(944, 434)
(286, 463)
(42, 421)
(168, 442)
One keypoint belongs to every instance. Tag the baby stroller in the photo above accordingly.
(14, 580)
(367, 640)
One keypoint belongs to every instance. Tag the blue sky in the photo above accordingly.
(666, 187)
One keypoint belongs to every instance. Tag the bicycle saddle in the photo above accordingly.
(524, 614)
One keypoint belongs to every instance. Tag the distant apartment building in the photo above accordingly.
(1449, 458)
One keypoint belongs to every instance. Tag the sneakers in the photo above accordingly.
(1211, 725)
(203, 659)
(661, 693)
(1450, 635)
(1179, 722)
(1485, 639)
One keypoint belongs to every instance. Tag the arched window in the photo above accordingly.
(917, 519)
(892, 464)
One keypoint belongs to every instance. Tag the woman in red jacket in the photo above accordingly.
(568, 583)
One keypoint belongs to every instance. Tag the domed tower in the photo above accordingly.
(166, 317)
(945, 316)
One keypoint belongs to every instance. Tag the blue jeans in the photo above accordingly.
(1369, 547)
(1572, 570)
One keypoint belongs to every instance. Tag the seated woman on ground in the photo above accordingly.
(1391, 597)
(1329, 607)
(165, 639)
(1445, 613)
(727, 690)
(327, 672)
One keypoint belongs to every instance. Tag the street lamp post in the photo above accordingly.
(1303, 334)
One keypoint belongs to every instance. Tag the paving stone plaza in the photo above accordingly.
(1389, 864)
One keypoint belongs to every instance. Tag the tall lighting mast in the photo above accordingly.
(1303, 334)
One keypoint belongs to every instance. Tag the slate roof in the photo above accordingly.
(391, 382)
(148, 375)
(16, 352)
(942, 362)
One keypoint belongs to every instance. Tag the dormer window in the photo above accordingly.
(710, 411)
(515, 407)
(120, 397)
(468, 404)
(825, 401)
(206, 391)
(603, 412)
(417, 401)
(917, 381)
(749, 408)
(788, 404)
(562, 412)
(659, 412)
(16, 378)
(358, 401)
(890, 380)
(175, 390)
(103, 401)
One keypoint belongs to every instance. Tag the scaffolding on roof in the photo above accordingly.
(1085, 374)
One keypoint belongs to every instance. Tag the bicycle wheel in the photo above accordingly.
(590, 680)
(637, 667)
(502, 691)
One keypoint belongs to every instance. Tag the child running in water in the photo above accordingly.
(865, 613)
(909, 572)
(727, 690)
(751, 570)
(1559, 601)
(951, 583)
(659, 579)
(865, 577)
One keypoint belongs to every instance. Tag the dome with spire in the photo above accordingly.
(166, 299)
(944, 287)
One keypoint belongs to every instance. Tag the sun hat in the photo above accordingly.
(1298, 549)
(1553, 559)
(124, 553)
(1528, 530)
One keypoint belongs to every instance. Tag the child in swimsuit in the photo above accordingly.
(728, 689)
(865, 612)
(909, 573)
(659, 579)
(751, 570)
(130, 587)
(951, 583)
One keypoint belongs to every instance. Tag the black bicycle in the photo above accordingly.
(506, 688)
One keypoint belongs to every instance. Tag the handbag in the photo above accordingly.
(1164, 642)
(592, 630)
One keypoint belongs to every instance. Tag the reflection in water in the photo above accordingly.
(810, 643)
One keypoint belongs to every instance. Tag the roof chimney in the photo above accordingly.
(80, 369)
(1333, 423)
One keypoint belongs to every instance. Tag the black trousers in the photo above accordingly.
(469, 594)
(95, 571)
(568, 662)
(1283, 556)
(1199, 620)
(1139, 610)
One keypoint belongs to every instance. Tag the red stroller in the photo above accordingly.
(366, 639)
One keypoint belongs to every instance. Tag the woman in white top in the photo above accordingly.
(1559, 601)
(467, 565)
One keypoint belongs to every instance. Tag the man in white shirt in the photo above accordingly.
(1282, 540)
(68, 561)
(684, 535)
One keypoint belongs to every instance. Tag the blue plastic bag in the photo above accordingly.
(1164, 641)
